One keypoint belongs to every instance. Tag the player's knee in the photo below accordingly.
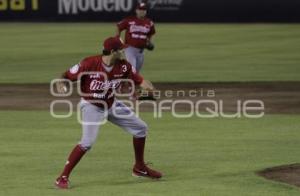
(85, 148)
(142, 130)
(87, 144)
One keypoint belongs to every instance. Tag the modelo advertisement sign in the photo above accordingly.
(159, 10)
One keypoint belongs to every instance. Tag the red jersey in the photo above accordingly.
(138, 31)
(97, 83)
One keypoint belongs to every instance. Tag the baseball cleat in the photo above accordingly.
(145, 171)
(62, 183)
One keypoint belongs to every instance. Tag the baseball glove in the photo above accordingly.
(150, 46)
(146, 95)
(148, 98)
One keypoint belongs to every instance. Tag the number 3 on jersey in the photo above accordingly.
(124, 68)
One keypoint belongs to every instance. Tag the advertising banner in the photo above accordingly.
(159, 10)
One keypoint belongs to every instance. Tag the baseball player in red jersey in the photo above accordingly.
(138, 33)
(99, 77)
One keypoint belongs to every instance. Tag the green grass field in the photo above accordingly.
(34, 52)
(209, 157)
(198, 156)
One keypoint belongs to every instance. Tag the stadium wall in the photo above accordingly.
(160, 10)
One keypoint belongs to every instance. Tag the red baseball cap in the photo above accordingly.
(141, 6)
(113, 43)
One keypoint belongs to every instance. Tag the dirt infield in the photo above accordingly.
(278, 97)
(287, 174)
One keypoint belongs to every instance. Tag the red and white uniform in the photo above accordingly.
(138, 31)
(95, 84)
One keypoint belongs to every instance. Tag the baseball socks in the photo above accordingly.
(139, 146)
(75, 156)
(140, 169)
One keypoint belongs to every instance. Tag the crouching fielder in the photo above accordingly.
(99, 77)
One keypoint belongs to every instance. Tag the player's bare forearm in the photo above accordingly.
(147, 85)
(150, 38)
(118, 32)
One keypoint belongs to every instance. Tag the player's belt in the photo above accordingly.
(141, 50)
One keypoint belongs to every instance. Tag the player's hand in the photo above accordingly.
(61, 87)
(147, 92)
(147, 85)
